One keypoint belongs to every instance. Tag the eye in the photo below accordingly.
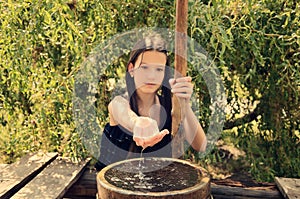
(144, 67)
(160, 69)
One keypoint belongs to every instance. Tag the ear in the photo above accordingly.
(130, 69)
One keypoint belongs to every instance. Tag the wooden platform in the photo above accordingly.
(289, 187)
(50, 176)
(39, 176)
(86, 188)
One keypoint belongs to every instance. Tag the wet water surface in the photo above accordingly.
(153, 175)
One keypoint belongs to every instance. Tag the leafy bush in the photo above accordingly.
(256, 45)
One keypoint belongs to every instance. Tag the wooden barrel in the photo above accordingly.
(189, 180)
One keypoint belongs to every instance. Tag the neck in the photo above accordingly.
(149, 106)
(145, 101)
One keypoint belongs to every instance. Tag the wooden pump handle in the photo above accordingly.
(180, 67)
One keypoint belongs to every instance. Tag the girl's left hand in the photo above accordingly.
(146, 132)
(182, 87)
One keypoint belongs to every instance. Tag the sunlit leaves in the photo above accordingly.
(254, 44)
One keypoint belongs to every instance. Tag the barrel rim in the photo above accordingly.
(106, 185)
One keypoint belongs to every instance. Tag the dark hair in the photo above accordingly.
(151, 42)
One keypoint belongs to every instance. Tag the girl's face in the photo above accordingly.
(148, 71)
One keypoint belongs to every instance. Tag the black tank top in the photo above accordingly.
(117, 144)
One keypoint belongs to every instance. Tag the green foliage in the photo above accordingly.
(254, 43)
(43, 44)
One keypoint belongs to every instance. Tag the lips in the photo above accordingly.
(150, 84)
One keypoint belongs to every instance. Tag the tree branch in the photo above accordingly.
(243, 120)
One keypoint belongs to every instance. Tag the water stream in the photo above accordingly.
(140, 174)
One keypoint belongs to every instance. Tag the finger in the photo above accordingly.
(184, 79)
(182, 90)
(139, 141)
(156, 138)
(164, 132)
(172, 81)
(180, 81)
(183, 95)
(183, 84)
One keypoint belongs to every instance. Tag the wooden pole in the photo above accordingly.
(180, 70)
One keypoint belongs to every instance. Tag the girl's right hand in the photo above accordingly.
(146, 132)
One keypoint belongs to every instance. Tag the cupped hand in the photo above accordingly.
(146, 132)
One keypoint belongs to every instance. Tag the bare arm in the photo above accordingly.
(120, 113)
(194, 133)
(145, 130)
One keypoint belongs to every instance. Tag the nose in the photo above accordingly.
(151, 74)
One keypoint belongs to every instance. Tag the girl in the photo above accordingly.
(143, 121)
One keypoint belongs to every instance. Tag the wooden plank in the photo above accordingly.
(2, 166)
(16, 175)
(79, 197)
(289, 187)
(235, 197)
(54, 180)
(85, 187)
(238, 192)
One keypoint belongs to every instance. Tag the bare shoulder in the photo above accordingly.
(118, 103)
(120, 99)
